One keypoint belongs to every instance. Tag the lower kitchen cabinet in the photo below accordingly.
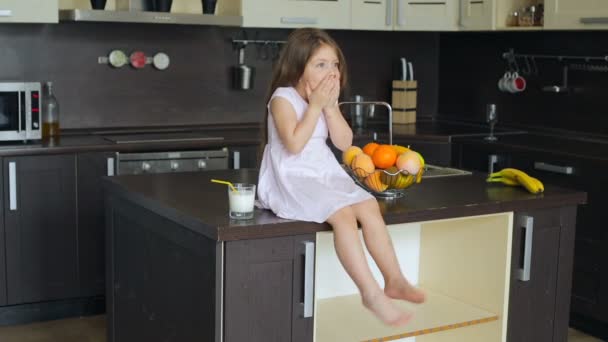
(40, 228)
(265, 296)
(541, 275)
(91, 220)
(265, 290)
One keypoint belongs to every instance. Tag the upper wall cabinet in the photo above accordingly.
(426, 15)
(29, 11)
(477, 14)
(329, 14)
(576, 14)
(405, 15)
(372, 15)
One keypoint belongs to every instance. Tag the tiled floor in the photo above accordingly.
(92, 329)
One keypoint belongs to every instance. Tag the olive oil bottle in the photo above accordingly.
(50, 113)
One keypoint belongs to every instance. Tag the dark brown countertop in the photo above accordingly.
(191, 200)
(97, 142)
(432, 130)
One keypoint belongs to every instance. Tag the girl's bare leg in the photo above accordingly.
(350, 253)
(381, 248)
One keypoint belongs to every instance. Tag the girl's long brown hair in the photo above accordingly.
(301, 45)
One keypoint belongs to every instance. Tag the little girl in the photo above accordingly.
(300, 178)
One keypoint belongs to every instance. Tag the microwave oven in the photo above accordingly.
(20, 111)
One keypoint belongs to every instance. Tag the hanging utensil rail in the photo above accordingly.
(511, 55)
(257, 41)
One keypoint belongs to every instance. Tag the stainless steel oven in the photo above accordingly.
(20, 110)
(163, 162)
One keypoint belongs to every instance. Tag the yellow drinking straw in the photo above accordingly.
(225, 182)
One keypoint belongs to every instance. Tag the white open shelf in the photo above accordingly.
(438, 313)
(463, 265)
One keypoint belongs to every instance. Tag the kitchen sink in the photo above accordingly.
(434, 171)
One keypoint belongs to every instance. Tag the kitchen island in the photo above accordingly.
(496, 262)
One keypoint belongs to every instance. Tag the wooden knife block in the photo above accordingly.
(404, 101)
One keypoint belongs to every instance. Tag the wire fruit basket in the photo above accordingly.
(384, 183)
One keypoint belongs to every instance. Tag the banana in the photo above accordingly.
(503, 180)
(510, 176)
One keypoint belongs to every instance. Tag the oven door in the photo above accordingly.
(13, 108)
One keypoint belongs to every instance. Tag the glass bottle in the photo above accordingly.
(50, 113)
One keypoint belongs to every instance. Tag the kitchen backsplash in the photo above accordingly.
(195, 89)
(471, 65)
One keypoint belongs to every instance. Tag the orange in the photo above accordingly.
(384, 156)
(369, 148)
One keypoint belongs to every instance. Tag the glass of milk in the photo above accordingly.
(241, 201)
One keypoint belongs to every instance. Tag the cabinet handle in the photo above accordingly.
(526, 222)
(400, 15)
(492, 160)
(299, 20)
(566, 170)
(593, 20)
(236, 157)
(6, 13)
(389, 12)
(12, 185)
(110, 166)
(309, 274)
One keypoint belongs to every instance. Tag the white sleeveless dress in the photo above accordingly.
(310, 185)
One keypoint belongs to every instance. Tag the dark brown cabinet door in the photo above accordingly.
(40, 228)
(434, 152)
(2, 249)
(540, 275)
(265, 289)
(92, 167)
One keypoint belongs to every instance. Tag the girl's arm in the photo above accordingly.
(293, 134)
(339, 131)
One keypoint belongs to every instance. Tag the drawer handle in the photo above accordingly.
(389, 12)
(110, 166)
(526, 222)
(299, 20)
(566, 170)
(400, 15)
(372, 2)
(12, 185)
(236, 160)
(594, 20)
(309, 274)
(6, 13)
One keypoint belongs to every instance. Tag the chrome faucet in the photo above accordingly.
(380, 103)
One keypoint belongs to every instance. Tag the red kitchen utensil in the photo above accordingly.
(138, 59)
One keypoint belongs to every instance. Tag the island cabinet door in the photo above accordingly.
(540, 276)
(265, 297)
(40, 228)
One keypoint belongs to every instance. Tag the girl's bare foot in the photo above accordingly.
(386, 311)
(402, 289)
